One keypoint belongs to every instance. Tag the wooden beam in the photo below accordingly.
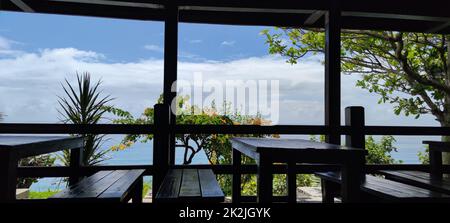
(439, 28)
(137, 4)
(333, 71)
(24, 7)
(314, 17)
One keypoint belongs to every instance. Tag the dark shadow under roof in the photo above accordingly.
(398, 15)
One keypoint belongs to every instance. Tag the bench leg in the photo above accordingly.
(137, 192)
(329, 191)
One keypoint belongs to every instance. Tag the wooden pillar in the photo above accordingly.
(161, 160)
(76, 162)
(333, 71)
(170, 66)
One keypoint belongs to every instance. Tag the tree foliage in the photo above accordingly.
(408, 70)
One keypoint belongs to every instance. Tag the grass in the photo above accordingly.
(41, 194)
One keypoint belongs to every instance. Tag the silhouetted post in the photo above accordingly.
(76, 162)
(170, 65)
(353, 173)
(160, 145)
(354, 117)
(333, 71)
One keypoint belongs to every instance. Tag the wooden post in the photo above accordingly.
(435, 163)
(291, 181)
(170, 66)
(160, 145)
(8, 176)
(354, 117)
(236, 182)
(333, 71)
(76, 162)
(265, 179)
(353, 173)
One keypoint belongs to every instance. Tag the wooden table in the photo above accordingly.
(436, 148)
(13, 148)
(267, 151)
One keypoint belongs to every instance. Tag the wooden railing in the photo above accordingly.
(163, 130)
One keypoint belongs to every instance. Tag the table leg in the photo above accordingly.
(291, 181)
(236, 183)
(8, 177)
(435, 164)
(137, 192)
(265, 179)
(352, 177)
(76, 161)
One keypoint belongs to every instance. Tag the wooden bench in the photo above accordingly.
(190, 185)
(418, 179)
(105, 186)
(380, 189)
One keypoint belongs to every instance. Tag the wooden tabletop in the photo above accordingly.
(25, 145)
(259, 144)
(284, 149)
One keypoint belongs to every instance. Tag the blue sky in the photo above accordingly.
(37, 52)
(124, 40)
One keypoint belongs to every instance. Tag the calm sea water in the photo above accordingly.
(141, 153)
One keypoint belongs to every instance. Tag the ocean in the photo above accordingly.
(141, 153)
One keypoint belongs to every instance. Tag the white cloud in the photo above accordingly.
(29, 85)
(6, 47)
(154, 48)
(228, 43)
(195, 41)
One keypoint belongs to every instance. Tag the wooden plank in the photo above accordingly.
(95, 190)
(170, 187)
(399, 190)
(388, 189)
(82, 185)
(122, 187)
(190, 184)
(419, 179)
(209, 186)
(25, 146)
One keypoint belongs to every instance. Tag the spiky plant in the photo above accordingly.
(83, 104)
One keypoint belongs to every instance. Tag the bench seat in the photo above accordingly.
(190, 185)
(105, 186)
(385, 190)
(418, 179)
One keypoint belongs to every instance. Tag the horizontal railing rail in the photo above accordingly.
(47, 128)
(62, 171)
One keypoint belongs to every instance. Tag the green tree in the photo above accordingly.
(83, 104)
(408, 70)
